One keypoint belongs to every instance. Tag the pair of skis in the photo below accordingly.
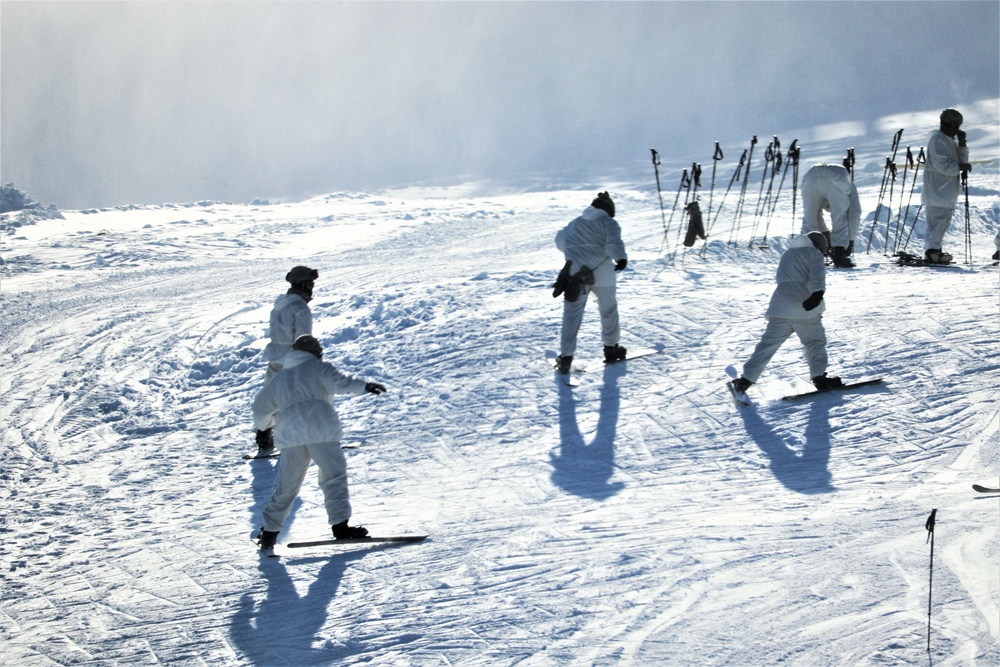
(571, 378)
(279, 550)
(741, 398)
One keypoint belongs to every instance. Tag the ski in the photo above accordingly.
(273, 455)
(852, 385)
(984, 489)
(906, 259)
(603, 363)
(739, 397)
(363, 540)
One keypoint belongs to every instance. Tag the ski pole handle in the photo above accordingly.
(656, 157)
(718, 152)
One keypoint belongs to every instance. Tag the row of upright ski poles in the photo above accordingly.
(897, 237)
(767, 201)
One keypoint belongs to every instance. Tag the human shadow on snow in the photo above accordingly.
(806, 471)
(284, 627)
(585, 469)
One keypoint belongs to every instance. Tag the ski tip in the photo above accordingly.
(983, 489)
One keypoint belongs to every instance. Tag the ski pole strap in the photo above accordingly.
(718, 152)
(929, 524)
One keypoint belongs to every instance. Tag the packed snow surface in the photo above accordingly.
(640, 518)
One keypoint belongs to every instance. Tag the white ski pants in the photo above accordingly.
(810, 333)
(938, 222)
(607, 303)
(292, 467)
(841, 229)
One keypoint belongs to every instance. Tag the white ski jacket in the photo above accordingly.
(801, 271)
(290, 318)
(593, 240)
(941, 182)
(297, 402)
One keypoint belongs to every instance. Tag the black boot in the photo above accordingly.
(344, 532)
(840, 258)
(265, 440)
(267, 538)
(741, 384)
(614, 353)
(824, 382)
(563, 363)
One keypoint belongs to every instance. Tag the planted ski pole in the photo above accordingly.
(768, 164)
(849, 162)
(968, 229)
(711, 224)
(691, 194)
(929, 526)
(715, 163)
(767, 224)
(743, 192)
(793, 157)
(899, 209)
(890, 168)
(921, 158)
(659, 192)
(684, 181)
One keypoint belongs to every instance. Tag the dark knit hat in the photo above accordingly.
(603, 202)
(307, 343)
(952, 117)
(301, 274)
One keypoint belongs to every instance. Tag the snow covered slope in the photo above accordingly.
(639, 518)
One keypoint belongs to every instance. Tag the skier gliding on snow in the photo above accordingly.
(796, 307)
(297, 403)
(290, 318)
(594, 251)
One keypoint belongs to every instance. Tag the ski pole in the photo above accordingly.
(890, 165)
(968, 229)
(920, 160)
(684, 180)
(711, 224)
(849, 162)
(715, 163)
(793, 156)
(743, 192)
(767, 223)
(899, 209)
(659, 192)
(768, 162)
(695, 179)
(929, 526)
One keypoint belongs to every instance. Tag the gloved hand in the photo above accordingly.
(813, 300)
(966, 167)
(375, 388)
(621, 264)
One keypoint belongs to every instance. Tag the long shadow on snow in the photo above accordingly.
(805, 472)
(581, 469)
(283, 628)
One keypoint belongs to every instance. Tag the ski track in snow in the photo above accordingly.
(639, 518)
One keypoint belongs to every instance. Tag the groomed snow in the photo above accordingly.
(638, 519)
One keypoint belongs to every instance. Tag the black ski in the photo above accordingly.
(363, 540)
(634, 354)
(906, 259)
(984, 489)
(852, 385)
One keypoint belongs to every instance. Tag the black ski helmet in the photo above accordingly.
(301, 274)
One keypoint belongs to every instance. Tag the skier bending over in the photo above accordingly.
(594, 251)
(290, 318)
(297, 404)
(829, 187)
(796, 307)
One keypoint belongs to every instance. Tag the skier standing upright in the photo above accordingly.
(796, 307)
(829, 187)
(593, 248)
(290, 318)
(297, 404)
(946, 160)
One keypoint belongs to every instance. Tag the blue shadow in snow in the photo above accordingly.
(581, 469)
(282, 628)
(806, 471)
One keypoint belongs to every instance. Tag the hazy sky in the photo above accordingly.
(105, 103)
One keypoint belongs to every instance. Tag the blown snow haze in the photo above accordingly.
(116, 103)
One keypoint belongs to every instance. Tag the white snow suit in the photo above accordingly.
(297, 403)
(801, 272)
(593, 240)
(290, 318)
(829, 187)
(941, 185)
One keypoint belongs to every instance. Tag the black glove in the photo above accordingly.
(813, 300)
(621, 264)
(966, 167)
(375, 388)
